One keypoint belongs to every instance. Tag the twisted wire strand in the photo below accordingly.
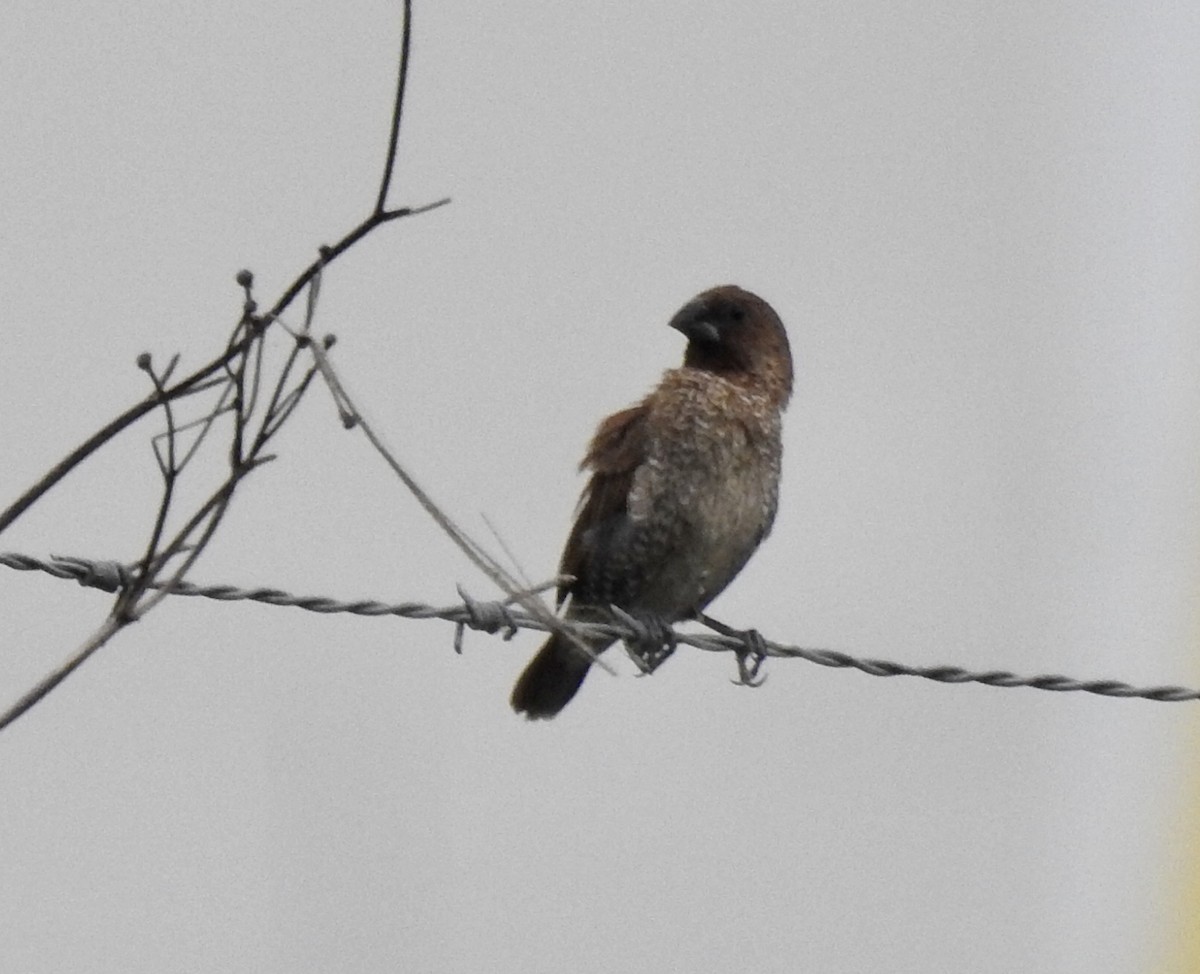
(499, 617)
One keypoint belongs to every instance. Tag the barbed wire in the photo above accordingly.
(504, 618)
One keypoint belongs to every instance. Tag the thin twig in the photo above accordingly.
(97, 639)
(168, 468)
(397, 109)
(475, 552)
(330, 254)
(107, 432)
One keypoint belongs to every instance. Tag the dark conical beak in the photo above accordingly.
(693, 320)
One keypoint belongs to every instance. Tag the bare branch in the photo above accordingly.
(239, 373)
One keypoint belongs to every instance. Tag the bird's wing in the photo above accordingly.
(615, 453)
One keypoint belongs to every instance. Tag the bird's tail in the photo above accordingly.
(552, 677)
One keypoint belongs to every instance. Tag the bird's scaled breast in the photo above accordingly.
(716, 479)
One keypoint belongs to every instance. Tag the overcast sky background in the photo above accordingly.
(981, 225)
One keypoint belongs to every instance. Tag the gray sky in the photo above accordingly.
(981, 224)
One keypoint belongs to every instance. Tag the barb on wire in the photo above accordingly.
(504, 618)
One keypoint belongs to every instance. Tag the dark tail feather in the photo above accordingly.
(551, 679)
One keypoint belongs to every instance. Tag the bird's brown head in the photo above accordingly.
(738, 335)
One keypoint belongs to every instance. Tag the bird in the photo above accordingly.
(684, 487)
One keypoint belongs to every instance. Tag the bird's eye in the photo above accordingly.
(737, 314)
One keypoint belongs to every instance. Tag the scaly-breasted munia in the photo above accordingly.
(684, 487)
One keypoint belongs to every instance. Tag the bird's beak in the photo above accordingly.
(692, 319)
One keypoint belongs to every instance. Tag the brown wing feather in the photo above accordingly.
(615, 453)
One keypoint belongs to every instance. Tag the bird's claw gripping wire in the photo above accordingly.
(750, 655)
(651, 640)
(750, 659)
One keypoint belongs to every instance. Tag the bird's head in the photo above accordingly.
(736, 334)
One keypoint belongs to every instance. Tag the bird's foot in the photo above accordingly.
(651, 641)
(750, 655)
(750, 659)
